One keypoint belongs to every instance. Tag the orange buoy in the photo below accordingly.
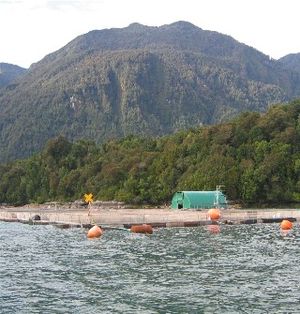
(214, 214)
(144, 228)
(95, 232)
(286, 224)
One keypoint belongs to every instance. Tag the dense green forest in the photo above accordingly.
(255, 156)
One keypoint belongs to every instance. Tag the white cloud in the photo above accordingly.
(30, 29)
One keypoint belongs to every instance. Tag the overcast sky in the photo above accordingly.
(31, 29)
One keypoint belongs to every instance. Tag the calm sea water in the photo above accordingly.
(240, 269)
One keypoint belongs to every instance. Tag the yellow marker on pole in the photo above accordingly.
(88, 198)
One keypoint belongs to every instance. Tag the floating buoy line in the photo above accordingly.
(213, 219)
(97, 232)
(214, 215)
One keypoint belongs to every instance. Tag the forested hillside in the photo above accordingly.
(140, 80)
(255, 156)
(9, 73)
(291, 61)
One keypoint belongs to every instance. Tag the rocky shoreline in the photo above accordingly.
(78, 205)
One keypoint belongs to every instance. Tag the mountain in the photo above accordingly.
(291, 61)
(138, 80)
(9, 72)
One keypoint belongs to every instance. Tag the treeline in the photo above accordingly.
(255, 156)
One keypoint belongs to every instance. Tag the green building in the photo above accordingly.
(198, 200)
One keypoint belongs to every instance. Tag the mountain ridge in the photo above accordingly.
(291, 61)
(9, 73)
(138, 80)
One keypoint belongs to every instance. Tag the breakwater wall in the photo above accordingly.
(128, 217)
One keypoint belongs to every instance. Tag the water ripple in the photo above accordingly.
(237, 269)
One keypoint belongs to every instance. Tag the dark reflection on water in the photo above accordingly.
(238, 269)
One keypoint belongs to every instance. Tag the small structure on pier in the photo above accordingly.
(199, 200)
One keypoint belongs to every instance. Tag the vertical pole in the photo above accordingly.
(89, 208)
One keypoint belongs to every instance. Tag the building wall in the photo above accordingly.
(198, 200)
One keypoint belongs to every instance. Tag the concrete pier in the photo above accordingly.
(128, 217)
